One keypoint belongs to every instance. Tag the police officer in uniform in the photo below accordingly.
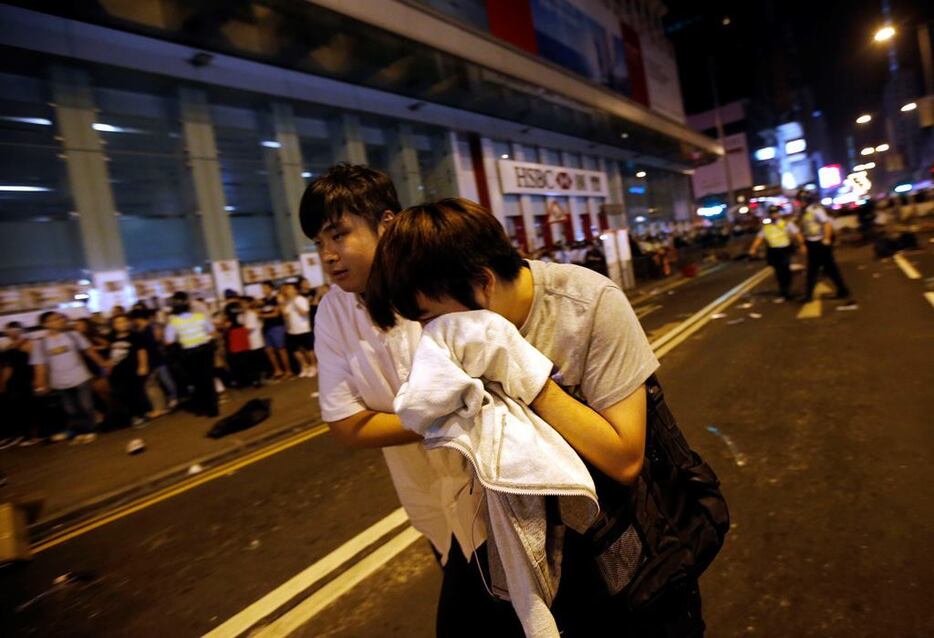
(778, 235)
(818, 235)
(194, 333)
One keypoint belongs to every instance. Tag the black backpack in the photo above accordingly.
(665, 529)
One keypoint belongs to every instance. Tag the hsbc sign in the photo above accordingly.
(543, 179)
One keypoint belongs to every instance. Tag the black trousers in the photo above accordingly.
(820, 257)
(780, 261)
(581, 608)
(198, 364)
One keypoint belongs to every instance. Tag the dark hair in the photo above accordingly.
(347, 188)
(141, 313)
(14, 325)
(45, 316)
(438, 250)
(269, 283)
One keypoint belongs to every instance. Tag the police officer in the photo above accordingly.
(194, 333)
(818, 235)
(778, 235)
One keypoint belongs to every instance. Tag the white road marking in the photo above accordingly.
(910, 271)
(699, 319)
(930, 297)
(275, 599)
(644, 311)
(311, 606)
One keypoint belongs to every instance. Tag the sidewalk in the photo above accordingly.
(75, 480)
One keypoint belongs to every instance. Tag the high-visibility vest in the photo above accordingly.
(810, 225)
(189, 329)
(776, 234)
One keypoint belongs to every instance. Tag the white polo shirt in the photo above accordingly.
(362, 368)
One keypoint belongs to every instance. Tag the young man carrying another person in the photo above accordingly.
(580, 320)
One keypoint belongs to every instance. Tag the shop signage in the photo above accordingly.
(543, 179)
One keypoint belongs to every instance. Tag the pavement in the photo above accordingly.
(74, 481)
(821, 438)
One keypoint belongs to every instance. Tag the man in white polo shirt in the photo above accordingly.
(360, 369)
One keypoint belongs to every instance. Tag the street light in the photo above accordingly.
(885, 33)
(882, 148)
(864, 119)
(867, 151)
(911, 106)
(640, 174)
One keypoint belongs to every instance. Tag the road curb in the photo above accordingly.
(87, 509)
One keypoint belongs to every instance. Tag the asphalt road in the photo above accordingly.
(829, 418)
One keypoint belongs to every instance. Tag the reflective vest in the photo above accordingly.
(812, 228)
(189, 329)
(776, 234)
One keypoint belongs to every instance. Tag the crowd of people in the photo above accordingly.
(70, 379)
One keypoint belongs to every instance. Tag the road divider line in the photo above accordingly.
(910, 271)
(274, 600)
(930, 297)
(644, 311)
(671, 340)
(321, 599)
(169, 492)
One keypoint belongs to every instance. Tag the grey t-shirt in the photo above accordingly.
(61, 353)
(583, 322)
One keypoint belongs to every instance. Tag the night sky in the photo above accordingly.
(771, 45)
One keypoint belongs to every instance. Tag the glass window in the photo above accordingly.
(40, 238)
(436, 170)
(551, 156)
(318, 152)
(502, 150)
(377, 149)
(245, 176)
(151, 183)
(572, 160)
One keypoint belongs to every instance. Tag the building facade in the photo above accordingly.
(164, 145)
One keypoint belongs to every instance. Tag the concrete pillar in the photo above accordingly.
(491, 168)
(617, 191)
(465, 177)
(347, 139)
(525, 205)
(285, 166)
(403, 165)
(86, 164)
(198, 129)
(575, 204)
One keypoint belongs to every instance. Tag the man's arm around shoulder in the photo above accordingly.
(370, 429)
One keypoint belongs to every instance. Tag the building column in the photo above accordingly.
(575, 207)
(286, 163)
(86, 164)
(533, 241)
(491, 168)
(617, 192)
(198, 130)
(347, 140)
(403, 166)
(462, 161)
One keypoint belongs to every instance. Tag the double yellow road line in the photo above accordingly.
(188, 484)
